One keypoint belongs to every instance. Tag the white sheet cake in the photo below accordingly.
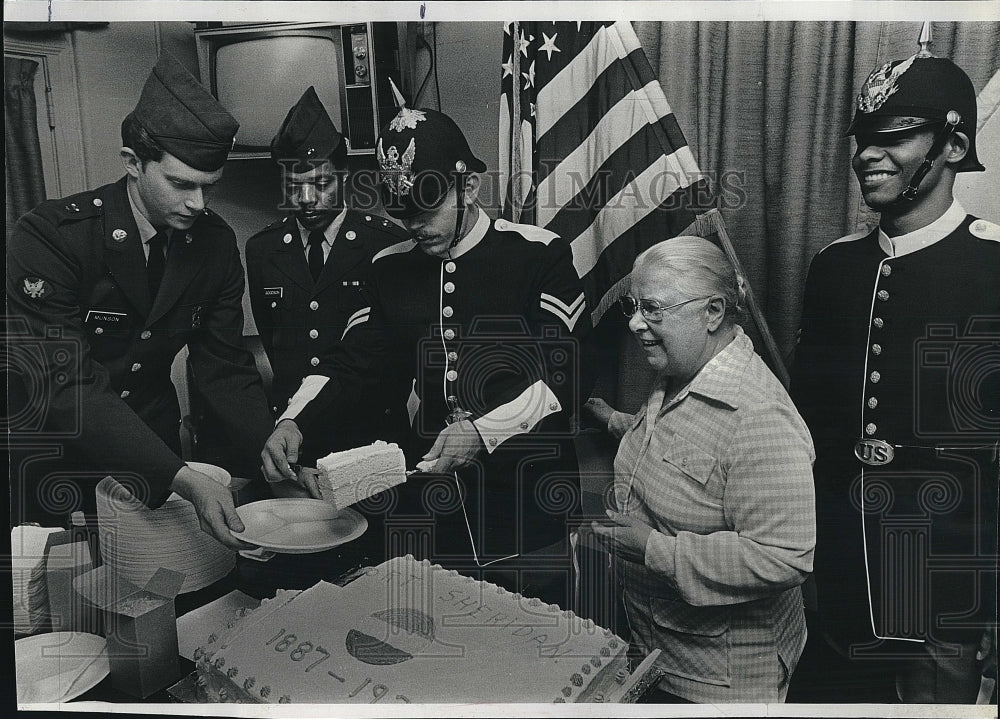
(408, 631)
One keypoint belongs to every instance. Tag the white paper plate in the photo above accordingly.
(49, 665)
(298, 526)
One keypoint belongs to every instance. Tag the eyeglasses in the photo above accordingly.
(651, 310)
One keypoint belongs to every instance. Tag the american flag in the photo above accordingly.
(590, 149)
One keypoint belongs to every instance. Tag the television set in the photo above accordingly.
(259, 70)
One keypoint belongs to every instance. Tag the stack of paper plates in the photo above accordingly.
(136, 541)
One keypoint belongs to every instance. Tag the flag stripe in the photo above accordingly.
(672, 216)
(634, 202)
(622, 131)
(574, 216)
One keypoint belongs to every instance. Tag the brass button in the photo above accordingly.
(98, 330)
(449, 334)
(524, 425)
(493, 441)
(878, 322)
(453, 356)
(886, 270)
(872, 403)
(273, 305)
(870, 428)
(136, 367)
(449, 287)
(553, 406)
(449, 266)
(146, 334)
(314, 361)
(98, 202)
(287, 239)
(447, 311)
(877, 349)
(314, 305)
(875, 377)
(125, 394)
(883, 295)
(452, 375)
(313, 334)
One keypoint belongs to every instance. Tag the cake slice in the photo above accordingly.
(355, 474)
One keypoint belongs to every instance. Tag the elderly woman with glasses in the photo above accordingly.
(714, 519)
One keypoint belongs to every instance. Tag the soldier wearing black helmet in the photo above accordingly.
(482, 318)
(898, 376)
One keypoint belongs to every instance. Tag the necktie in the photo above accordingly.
(156, 263)
(316, 240)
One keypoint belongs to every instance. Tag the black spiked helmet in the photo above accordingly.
(421, 154)
(905, 94)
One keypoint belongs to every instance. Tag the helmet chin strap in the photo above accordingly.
(460, 216)
(910, 193)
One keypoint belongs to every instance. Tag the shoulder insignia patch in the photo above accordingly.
(985, 230)
(36, 288)
(528, 232)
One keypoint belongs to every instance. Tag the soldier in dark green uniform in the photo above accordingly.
(308, 272)
(103, 289)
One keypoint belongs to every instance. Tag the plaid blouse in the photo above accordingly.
(723, 474)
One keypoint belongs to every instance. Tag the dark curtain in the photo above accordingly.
(766, 105)
(24, 180)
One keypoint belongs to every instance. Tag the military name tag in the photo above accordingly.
(105, 316)
(274, 291)
(874, 452)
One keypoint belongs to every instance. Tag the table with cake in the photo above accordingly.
(311, 617)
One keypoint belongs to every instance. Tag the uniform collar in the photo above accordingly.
(475, 236)
(330, 233)
(924, 237)
(146, 230)
(722, 376)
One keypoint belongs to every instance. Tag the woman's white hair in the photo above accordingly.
(697, 267)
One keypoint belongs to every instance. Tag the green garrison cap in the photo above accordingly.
(308, 133)
(184, 118)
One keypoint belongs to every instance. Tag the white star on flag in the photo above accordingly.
(549, 46)
(529, 76)
(508, 67)
(525, 42)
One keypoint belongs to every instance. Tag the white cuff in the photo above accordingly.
(305, 394)
(519, 415)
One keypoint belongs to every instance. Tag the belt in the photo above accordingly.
(878, 452)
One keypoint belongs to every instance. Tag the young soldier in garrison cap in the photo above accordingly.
(307, 274)
(482, 318)
(104, 289)
(898, 376)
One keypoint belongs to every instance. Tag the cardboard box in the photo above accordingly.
(64, 561)
(141, 627)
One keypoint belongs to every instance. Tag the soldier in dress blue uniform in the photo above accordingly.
(104, 288)
(308, 271)
(482, 318)
(898, 376)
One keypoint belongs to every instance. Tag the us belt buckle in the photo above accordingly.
(874, 452)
